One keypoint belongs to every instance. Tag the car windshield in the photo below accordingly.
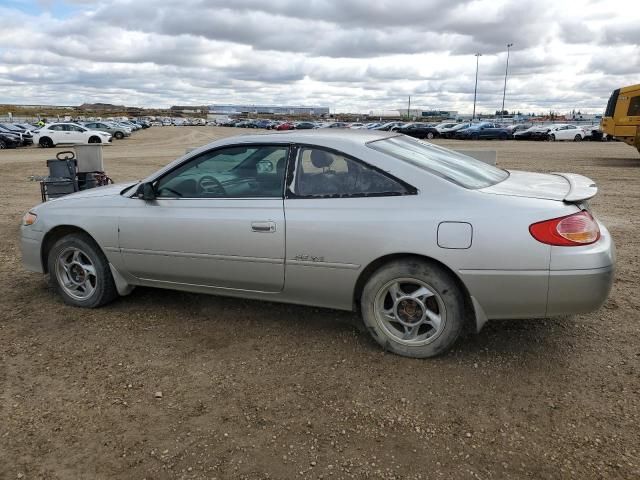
(456, 167)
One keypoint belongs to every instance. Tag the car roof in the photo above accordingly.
(345, 140)
(322, 136)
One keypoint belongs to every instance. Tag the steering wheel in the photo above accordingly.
(211, 185)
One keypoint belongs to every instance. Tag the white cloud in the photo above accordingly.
(350, 54)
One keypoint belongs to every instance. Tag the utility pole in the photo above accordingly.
(409, 109)
(506, 71)
(475, 90)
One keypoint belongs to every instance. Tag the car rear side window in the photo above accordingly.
(324, 173)
(455, 167)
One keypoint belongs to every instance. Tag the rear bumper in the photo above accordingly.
(579, 281)
(538, 293)
(578, 291)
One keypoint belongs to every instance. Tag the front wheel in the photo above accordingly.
(95, 139)
(413, 308)
(551, 138)
(119, 135)
(430, 135)
(80, 272)
(577, 138)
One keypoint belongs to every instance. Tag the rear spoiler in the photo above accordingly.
(580, 187)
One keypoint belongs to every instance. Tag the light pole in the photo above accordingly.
(475, 90)
(506, 71)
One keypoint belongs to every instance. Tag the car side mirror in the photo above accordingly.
(146, 191)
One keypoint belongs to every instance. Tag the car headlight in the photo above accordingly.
(29, 218)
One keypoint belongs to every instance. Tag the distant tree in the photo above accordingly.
(502, 112)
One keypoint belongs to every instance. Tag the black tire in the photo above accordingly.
(503, 136)
(439, 281)
(95, 139)
(119, 135)
(475, 136)
(2, 145)
(46, 142)
(430, 135)
(577, 138)
(105, 289)
(551, 138)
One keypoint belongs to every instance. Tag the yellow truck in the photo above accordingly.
(622, 116)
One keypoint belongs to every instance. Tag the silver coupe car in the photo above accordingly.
(421, 240)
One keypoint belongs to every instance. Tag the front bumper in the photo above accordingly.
(30, 244)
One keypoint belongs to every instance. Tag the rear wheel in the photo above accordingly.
(46, 142)
(95, 139)
(551, 138)
(413, 308)
(503, 136)
(475, 136)
(2, 145)
(80, 272)
(577, 138)
(430, 135)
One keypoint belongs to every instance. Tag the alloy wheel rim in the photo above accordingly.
(76, 273)
(410, 311)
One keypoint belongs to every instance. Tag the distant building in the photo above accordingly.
(189, 109)
(230, 109)
(439, 113)
(385, 113)
(416, 113)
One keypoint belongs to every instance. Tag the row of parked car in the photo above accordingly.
(14, 135)
(457, 130)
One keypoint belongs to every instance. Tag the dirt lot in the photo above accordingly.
(259, 390)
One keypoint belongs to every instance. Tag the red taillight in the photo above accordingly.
(570, 231)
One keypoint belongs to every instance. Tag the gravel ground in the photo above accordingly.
(260, 390)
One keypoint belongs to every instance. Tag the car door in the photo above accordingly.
(103, 127)
(55, 132)
(333, 206)
(572, 131)
(562, 133)
(74, 134)
(488, 130)
(217, 220)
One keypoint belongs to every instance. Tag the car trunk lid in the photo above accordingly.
(566, 187)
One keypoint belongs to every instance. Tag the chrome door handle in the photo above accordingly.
(263, 227)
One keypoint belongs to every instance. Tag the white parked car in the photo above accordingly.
(445, 126)
(54, 134)
(566, 132)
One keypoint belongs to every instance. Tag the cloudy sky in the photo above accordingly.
(349, 55)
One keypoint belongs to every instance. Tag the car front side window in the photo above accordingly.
(231, 172)
(325, 174)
